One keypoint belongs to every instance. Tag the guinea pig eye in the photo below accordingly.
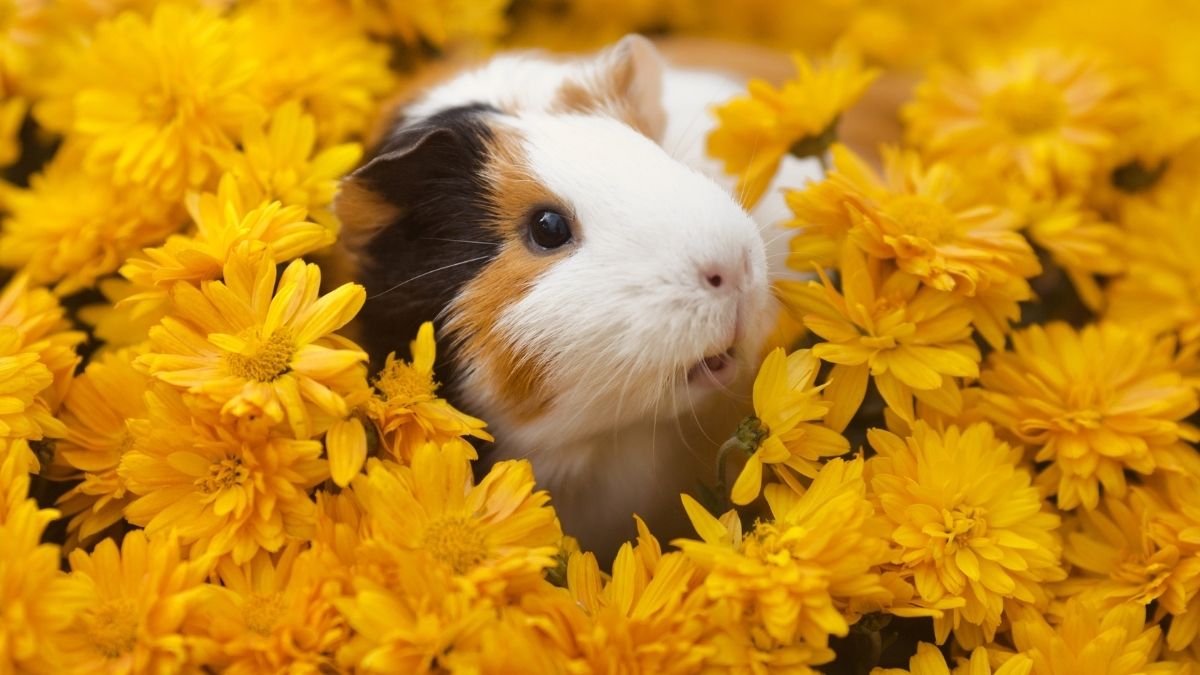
(549, 229)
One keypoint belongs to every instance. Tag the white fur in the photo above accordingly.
(619, 318)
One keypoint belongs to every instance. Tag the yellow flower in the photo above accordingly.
(37, 604)
(277, 163)
(222, 493)
(1082, 243)
(1096, 402)
(912, 339)
(407, 411)
(649, 617)
(12, 114)
(152, 99)
(930, 661)
(966, 520)
(71, 228)
(224, 223)
(257, 351)
(339, 77)
(37, 361)
(109, 392)
(784, 400)
(807, 573)
(277, 615)
(137, 607)
(493, 535)
(1142, 549)
(1088, 640)
(440, 22)
(1045, 115)
(756, 131)
(930, 220)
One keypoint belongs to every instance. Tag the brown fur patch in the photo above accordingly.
(519, 378)
(629, 90)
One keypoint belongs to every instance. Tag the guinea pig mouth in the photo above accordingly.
(717, 370)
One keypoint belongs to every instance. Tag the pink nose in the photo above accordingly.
(726, 274)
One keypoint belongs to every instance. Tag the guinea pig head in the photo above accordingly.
(581, 278)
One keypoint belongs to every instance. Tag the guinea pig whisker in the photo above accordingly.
(460, 241)
(425, 274)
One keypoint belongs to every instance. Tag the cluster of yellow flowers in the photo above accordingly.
(1019, 279)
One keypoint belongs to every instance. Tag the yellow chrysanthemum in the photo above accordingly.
(277, 615)
(278, 164)
(37, 361)
(12, 114)
(497, 533)
(755, 132)
(137, 607)
(966, 521)
(442, 23)
(1045, 115)
(152, 99)
(108, 393)
(930, 220)
(407, 412)
(912, 339)
(784, 438)
(1082, 244)
(261, 352)
(1095, 402)
(224, 223)
(340, 76)
(649, 617)
(220, 492)
(70, 228)
(1088, 640)
(37, 605)
(929, 660)
(1142, 549)
(804, 575)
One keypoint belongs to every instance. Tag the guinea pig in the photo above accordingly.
(600, 297)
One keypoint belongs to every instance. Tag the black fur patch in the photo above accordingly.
(413, 267)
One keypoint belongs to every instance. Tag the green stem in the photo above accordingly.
(734, 443)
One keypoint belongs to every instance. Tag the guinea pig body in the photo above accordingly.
(601, 298)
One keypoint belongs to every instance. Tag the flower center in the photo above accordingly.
(270, 360)
(112, 629)
(960, 526)
(1028, 107)
(262, 612)
(400, 381)
(456, 541)
(224, 474)
(924, 217)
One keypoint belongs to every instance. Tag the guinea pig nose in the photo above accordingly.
(721, 276)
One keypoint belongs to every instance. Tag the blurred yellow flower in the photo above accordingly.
(38, 605)
(929, 661)
(278, 164)
(152, 99)
(800, 575)
(12, 114)
(70, 228)
(258, 351)
(493, 534)
(137, 607)
(784, 438)
(912, 339)
(276, 614)
(1087, 639)
(407, 412)
(1045, 115)
(966, 521)
(929, 219)
(97, 410)
(443, 23)
(37, 361)
(1082, 243)
(754, 132)
(223, 493)
(1095, 403)
(340, 76)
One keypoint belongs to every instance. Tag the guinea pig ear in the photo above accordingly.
(378, 193)
(624, 81)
